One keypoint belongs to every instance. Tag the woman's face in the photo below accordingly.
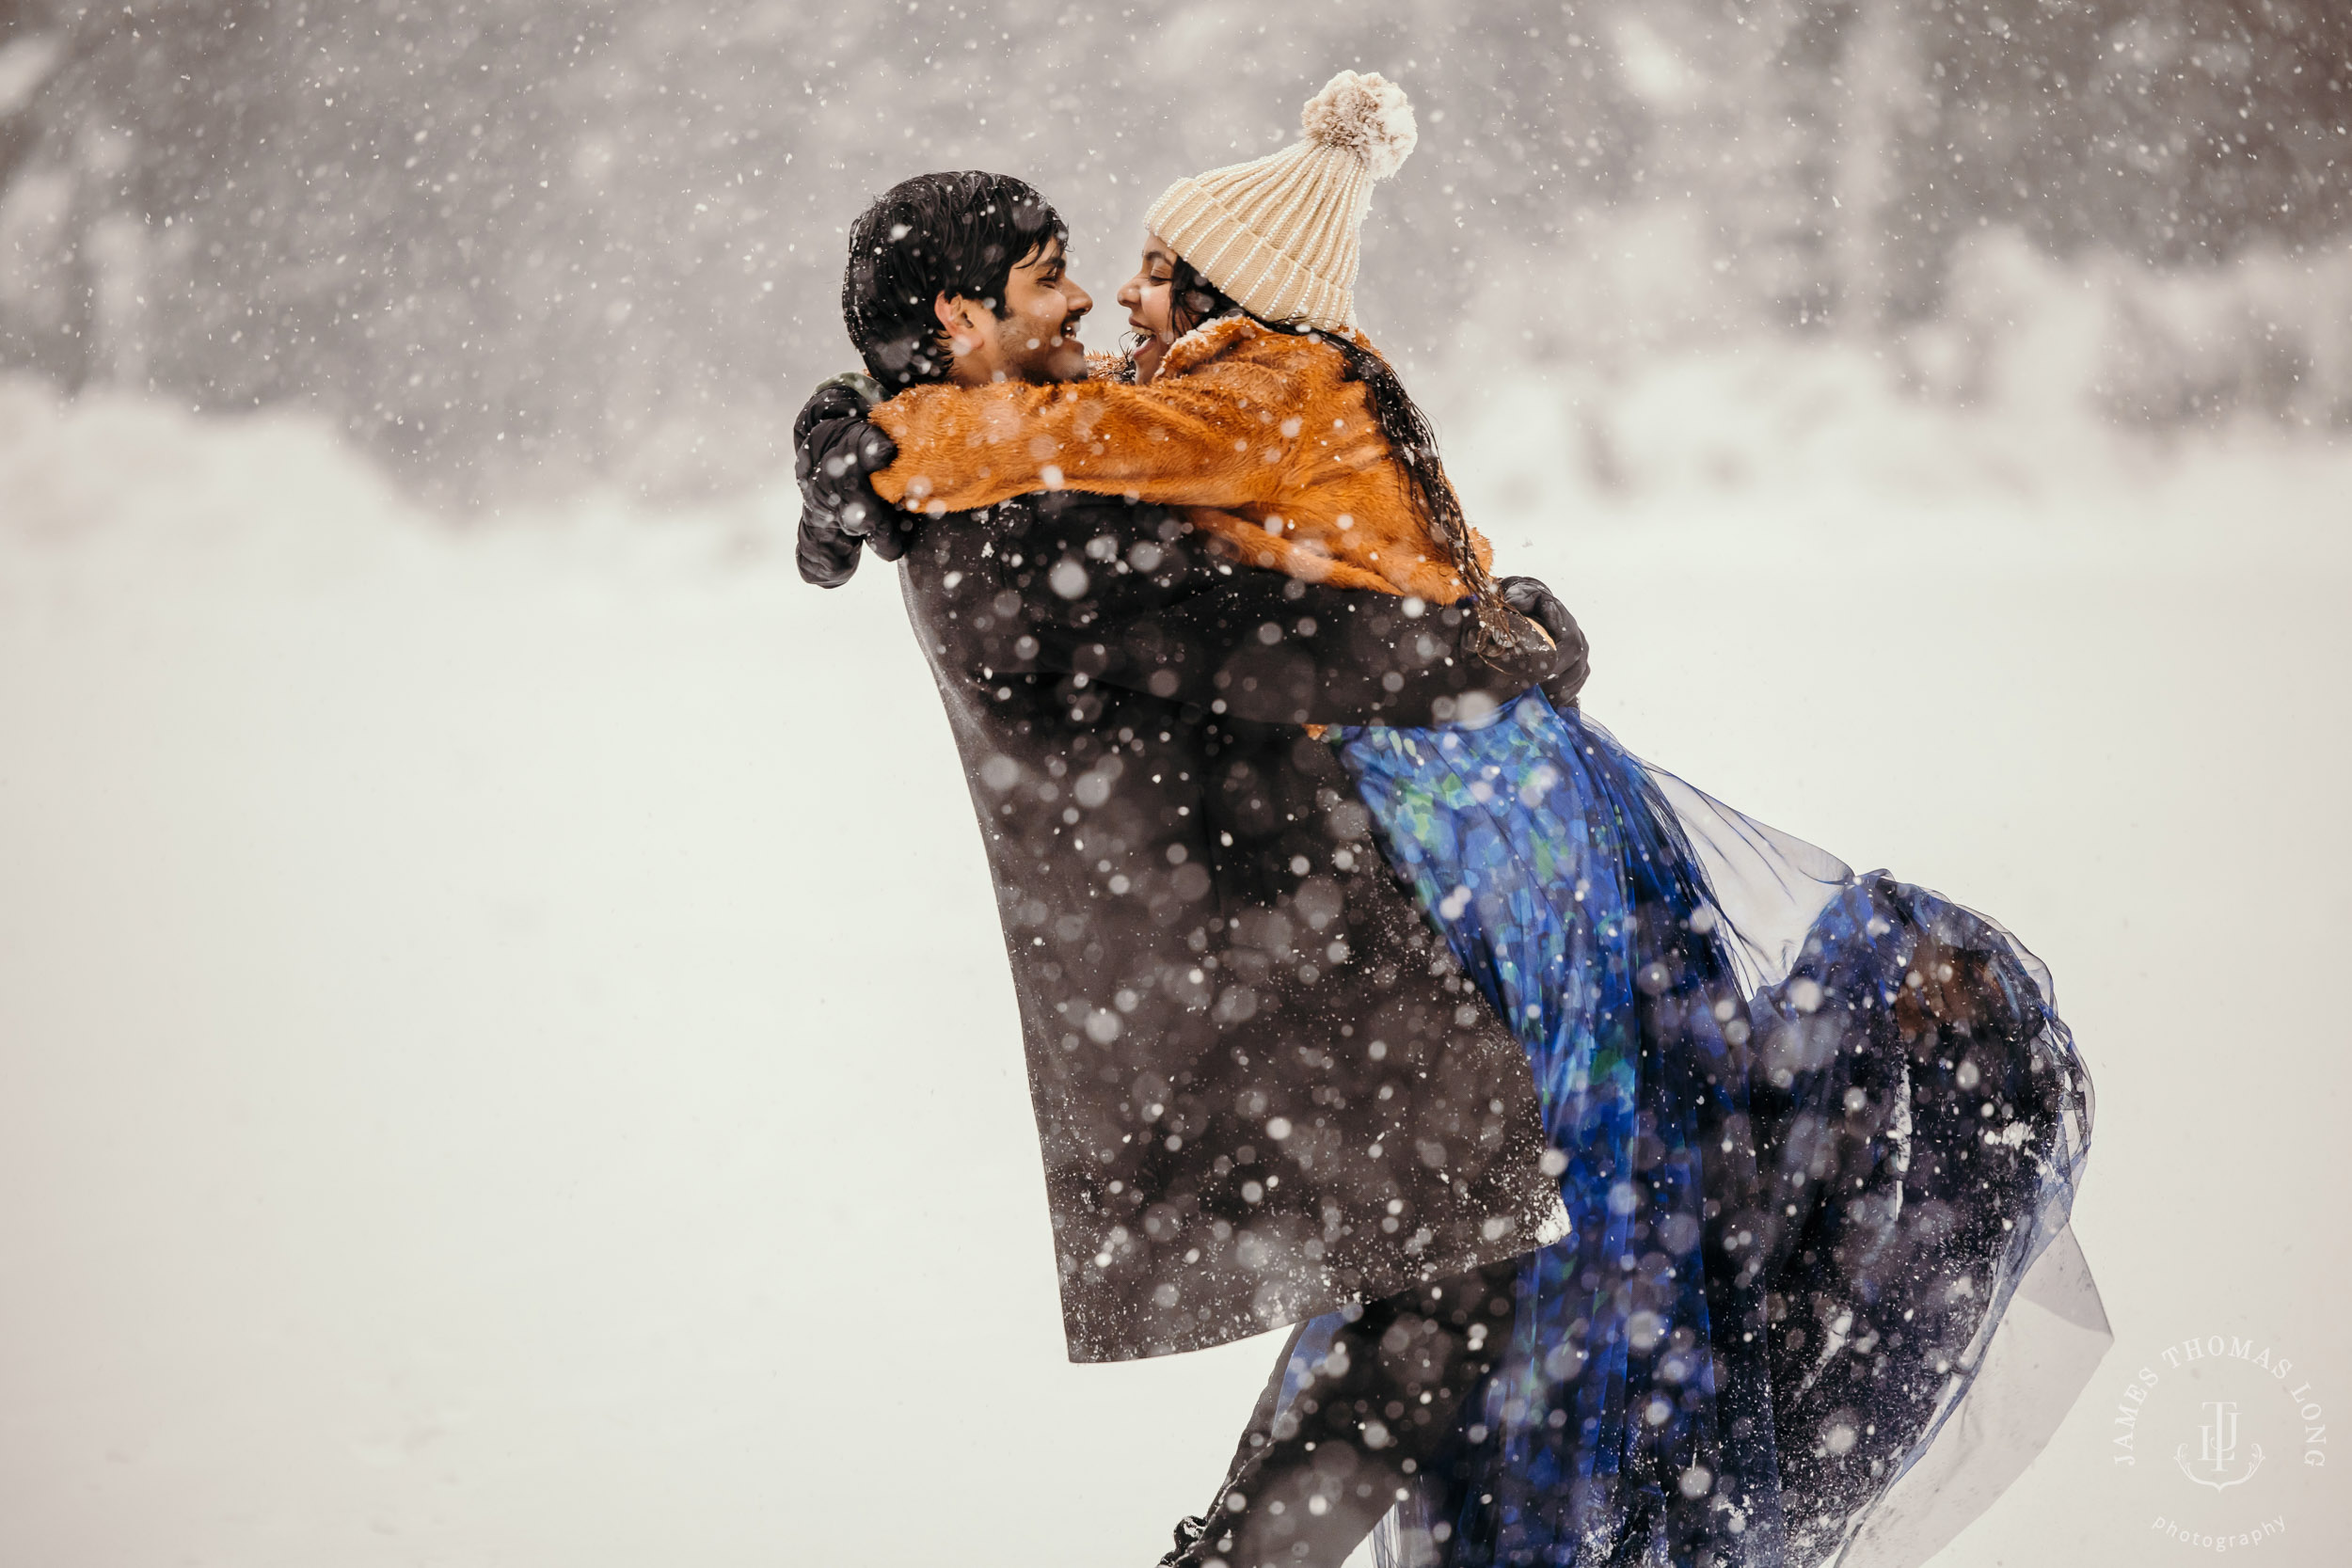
(1146, 296)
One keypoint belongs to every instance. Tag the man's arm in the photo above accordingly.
(834, 449)
(1540, 604)
(1130, 597)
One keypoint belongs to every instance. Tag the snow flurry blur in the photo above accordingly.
(561, 241)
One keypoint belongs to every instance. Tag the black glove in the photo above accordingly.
(1530, 598)
(834, 450)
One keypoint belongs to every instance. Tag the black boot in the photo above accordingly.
(1307, 1484)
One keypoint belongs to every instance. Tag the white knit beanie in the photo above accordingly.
(1278, 234)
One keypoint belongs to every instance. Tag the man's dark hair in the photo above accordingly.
(955, 234)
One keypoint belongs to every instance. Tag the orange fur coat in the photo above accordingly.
(1254, 434)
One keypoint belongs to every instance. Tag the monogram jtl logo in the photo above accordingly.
(2216, 1449)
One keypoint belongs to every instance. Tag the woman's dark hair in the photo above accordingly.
(956, 234)
(1193, 299)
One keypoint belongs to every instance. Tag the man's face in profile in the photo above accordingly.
(1036, 339)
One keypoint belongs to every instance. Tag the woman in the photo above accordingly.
(1812, 1129)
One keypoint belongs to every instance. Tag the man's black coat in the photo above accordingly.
(1261, 1086)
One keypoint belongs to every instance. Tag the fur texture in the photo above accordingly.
(1254, 433)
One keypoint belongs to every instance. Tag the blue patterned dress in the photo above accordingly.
(1811, 1128)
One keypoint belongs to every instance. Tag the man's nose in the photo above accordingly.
(1080, 301)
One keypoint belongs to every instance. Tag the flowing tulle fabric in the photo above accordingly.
(1813, 1129)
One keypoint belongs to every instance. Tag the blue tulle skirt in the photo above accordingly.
(1812, 1129)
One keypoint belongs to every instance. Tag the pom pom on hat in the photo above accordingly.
(1368, 116)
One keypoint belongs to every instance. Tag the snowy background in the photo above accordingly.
(504, 1050)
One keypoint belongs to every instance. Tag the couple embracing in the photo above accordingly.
(1639, 1185)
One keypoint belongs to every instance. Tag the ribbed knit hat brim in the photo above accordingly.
(1278, 234)
(1223, 223)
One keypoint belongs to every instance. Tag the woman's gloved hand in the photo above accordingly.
(1530, 598)
(834, 451)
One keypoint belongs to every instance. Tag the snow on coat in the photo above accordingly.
(1263, 1087)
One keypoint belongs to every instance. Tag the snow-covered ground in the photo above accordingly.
(505, 1055)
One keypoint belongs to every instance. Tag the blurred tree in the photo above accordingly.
(2176, 130)
(575, 238)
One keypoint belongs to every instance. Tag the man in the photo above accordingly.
(1264, 1091)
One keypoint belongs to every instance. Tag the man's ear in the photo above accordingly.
(960, 318)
